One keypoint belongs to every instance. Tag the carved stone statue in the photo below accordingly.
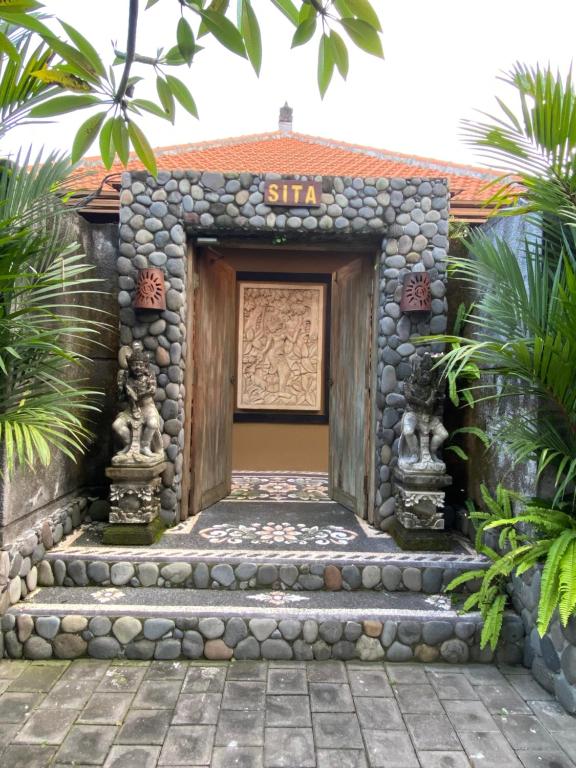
(138, 424)
(420, 475)
(422, 430)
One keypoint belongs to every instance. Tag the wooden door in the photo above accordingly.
(350, 370)
(213, 393)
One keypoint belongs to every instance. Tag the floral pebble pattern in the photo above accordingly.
(279, 487)
(278, 533)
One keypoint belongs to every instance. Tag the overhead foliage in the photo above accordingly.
(111, 96)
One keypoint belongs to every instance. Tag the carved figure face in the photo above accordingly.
(137, 367)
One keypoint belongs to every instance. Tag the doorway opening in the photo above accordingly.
(281, 390)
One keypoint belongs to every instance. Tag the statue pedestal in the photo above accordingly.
(135, 504)
(419, 523)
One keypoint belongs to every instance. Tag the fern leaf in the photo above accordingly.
(567, 599)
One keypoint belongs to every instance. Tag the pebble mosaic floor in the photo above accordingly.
(279, 486)
(278, 715)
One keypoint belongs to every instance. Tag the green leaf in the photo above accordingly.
(325, 64)
(86, 49)
(86, 135)
(150, 3)
(142, 147)
(340, 53)
(106, 145)
(73, 57)
(224, 31)
(8, 49)
(458, 451)
(59, 105)
(363, 10)
(182, 94)
(165, 96)
(66, 79)
(250, 30)
(185, 40)
(149, 106)
(121, 140)
(364, 36)
(305, 32)
(289, 10)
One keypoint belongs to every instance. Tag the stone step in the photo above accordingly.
(229, 569)
(170, 624)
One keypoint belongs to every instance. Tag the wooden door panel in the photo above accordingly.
(213, 404)
(350, 361)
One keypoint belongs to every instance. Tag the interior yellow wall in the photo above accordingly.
(287, 447)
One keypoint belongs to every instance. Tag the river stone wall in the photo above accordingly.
(455, 641)
(551, 658)
(21, 561)
(406, 218)
(411, 577)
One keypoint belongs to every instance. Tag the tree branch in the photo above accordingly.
(130, 50)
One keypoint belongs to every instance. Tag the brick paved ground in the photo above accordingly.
(297, 715)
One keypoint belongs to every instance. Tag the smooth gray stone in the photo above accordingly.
(352, 576)
(211, 628)
(98, 571)
(330, 631)
(167, 649)
(249, 648)
(37, 648)
(246, 571)
(409, 632)
(154, 629)
(267, 574)
(192, 645)
(262, 628)
(290, 628)
(436, 632)
(398, 652)
(236, 630)
(121, 573)
(77, 572)
(201, 576)
(100, 625)
(223, 574)
(454, 651)
(47, 626)
(104, 648)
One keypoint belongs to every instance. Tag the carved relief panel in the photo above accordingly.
(280, 346)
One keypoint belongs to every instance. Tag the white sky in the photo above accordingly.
(442, 61)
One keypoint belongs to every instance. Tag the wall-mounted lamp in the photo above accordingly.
(416, 295)
(150, 292)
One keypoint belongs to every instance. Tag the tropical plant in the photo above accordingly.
(80, 70)
(43, 282)
(521, 342)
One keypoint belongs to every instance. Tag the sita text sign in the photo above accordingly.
(292, 193)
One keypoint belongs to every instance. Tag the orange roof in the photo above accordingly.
(287, 152)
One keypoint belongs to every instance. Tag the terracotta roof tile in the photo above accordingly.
(296, 153)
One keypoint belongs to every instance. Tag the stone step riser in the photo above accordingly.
(298, 576)
(111, 635)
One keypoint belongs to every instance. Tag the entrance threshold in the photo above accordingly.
(279, 486)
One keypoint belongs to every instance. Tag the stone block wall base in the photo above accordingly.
(134, 535)
(420, 539)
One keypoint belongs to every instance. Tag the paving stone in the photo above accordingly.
(288, 711)
(43, 727)
(453, 687)
(326, 672)
(336, 730)
(543, 759)
(369, 681)
(286, 681)
(502, 697)
(443, 760)
(122, 678)
(390, 749)
(233, 756)
(167, 670)
(132, 757)
(105, 708)
(86, 744)
(246, 729)
(552, 715)
(188, 745)
(341, 758)
(525, 732)
(431, 732)
(378, 714)
(487, 748)
(244, 695)
(145, 726)
(330, 697)
(417, 699)
(406, 673)
(28, 756)
(197, 709)
(69, 694)
(37, 677)
(470, 716)
(15, 707)
(289, 748)
(528, 688)
(204, 680)
(157, 694)
(247, 670)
